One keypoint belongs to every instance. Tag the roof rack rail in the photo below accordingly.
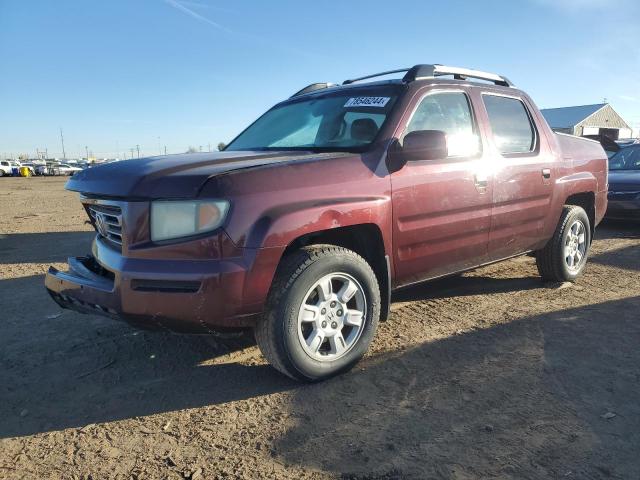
(312, 88)
(389, 72)
(419, 72)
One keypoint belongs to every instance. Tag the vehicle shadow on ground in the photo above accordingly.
(518, 400)
(60, 369)
(462, 286)
(627, 258)
(612, 229)
(47, 247)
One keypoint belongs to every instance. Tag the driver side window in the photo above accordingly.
(449, 112)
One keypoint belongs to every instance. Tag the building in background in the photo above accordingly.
(593, 120)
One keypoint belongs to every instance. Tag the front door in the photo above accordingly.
(442, 208)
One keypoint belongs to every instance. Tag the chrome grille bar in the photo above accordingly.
(107, 220)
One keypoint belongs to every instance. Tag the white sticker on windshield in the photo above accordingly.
(367, 102)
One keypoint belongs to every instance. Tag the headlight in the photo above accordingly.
(186, 218)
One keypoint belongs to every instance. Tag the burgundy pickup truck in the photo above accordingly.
(308, 220)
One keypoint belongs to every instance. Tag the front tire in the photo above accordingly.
(564, 257)
(322, 313)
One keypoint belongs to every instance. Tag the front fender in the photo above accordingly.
(280, 226)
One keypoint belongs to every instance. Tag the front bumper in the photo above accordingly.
(181, 295)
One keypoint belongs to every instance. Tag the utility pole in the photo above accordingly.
(64, 155)
(165, 149)
(131, 152)
(209, 147)
(86, 149)
(138, 148)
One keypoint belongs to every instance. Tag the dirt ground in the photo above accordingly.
(490, 375)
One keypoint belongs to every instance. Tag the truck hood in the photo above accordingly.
(174, 176)
(624, 180)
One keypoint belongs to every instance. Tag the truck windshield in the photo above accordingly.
(627, 158)
(344, 121)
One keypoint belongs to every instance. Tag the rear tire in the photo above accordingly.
(564, 257)
(321, 314)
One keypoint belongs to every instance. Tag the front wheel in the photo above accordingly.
(563, 259)
(322, 313)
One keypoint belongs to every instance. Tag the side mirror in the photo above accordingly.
(422, 145)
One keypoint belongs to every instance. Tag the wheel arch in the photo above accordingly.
(366, 240)
(587, 201)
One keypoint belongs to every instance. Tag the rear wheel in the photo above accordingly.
(322, 313)
(563, 259)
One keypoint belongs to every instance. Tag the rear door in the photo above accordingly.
(441, 208)
(523, 170)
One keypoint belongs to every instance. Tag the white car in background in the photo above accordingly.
(66, 169)
(5, 168)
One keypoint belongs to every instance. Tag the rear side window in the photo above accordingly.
(510, 123)
(450, 113)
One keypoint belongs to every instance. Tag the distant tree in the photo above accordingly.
(221, 146)
(192, 149)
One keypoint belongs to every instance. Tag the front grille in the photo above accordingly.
(107, 220)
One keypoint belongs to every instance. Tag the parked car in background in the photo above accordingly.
(6, 168)
(12, 168)
(624, 184)
(307, 221)
(66, 169)
(52, 168)
(36, 169)
(29, 165)
(610, 146)
(625, 142)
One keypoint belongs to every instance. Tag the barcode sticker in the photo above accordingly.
(367, 102)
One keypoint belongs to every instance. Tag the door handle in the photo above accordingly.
(546, 173)
(480, 181)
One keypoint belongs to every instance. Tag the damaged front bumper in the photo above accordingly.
(196, 296)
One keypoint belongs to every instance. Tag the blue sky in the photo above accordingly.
(119, 73)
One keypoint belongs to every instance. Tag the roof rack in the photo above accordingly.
(381, 74)
(312, 88)
(419, 72)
